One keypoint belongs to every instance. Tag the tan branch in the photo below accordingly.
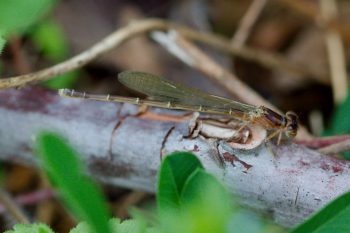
(12, 207)
(191, 55)
(310, 10)
(247, 22)
(336, 148)
(273, 61)
(268, 178)
(336, 55)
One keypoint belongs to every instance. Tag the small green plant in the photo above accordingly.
(188, 196)
(16, 16)
(64, 169)
(48, 38)
(30, 228)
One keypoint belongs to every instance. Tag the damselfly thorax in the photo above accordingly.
(165, 94)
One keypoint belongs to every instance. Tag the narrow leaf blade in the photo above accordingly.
(63, 167)
(332, 218)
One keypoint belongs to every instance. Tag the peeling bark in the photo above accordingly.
(289, 182)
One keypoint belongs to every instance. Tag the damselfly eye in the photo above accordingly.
(292, 124)
(292, 117)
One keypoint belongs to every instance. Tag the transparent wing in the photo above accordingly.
(160, 89)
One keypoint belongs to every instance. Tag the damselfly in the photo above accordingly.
(165, 94)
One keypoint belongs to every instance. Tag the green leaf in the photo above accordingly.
(332, 218)
(116, 226)
(50, 40)
(203, 195)
(65, 170)
(66, 80)
(174, 171)
(205, 207)
(18, 15)
(30, 228)
(146, 215)
(131, 226)
(340, 123)
(82, 227)
(2, 42)
(196, 188)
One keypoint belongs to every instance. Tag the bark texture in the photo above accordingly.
(288, 182)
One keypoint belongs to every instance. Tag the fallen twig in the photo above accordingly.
(247, 22)
(336, 55)
(311, 11)
(191, 55)
(31, 198)
(12, 207)
(142, 26)
(319, 142)
(336, 148)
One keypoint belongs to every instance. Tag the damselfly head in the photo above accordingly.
(292, 124)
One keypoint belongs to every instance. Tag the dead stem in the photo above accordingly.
(306, 8)
(31, 198)
(319, 142)
(12, 207)
(266, 59)
(191, 55)
(135, 28)
(247, 22)
(336, 53)
(336, 148)
(131, 199)
(309, 10)
(19, 57)
(195, 58)
(88, 55)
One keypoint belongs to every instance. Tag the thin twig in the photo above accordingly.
(247, 22)
(316, 122)
(191, 55)
(83, 58)
(319, 142)
(310, 10)
(336, 148)
(20, 59)
(336, 54)
(273, 61)
(31, 198)
(306, 8)
(267, 59)
(126, 202)
(12, 207)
